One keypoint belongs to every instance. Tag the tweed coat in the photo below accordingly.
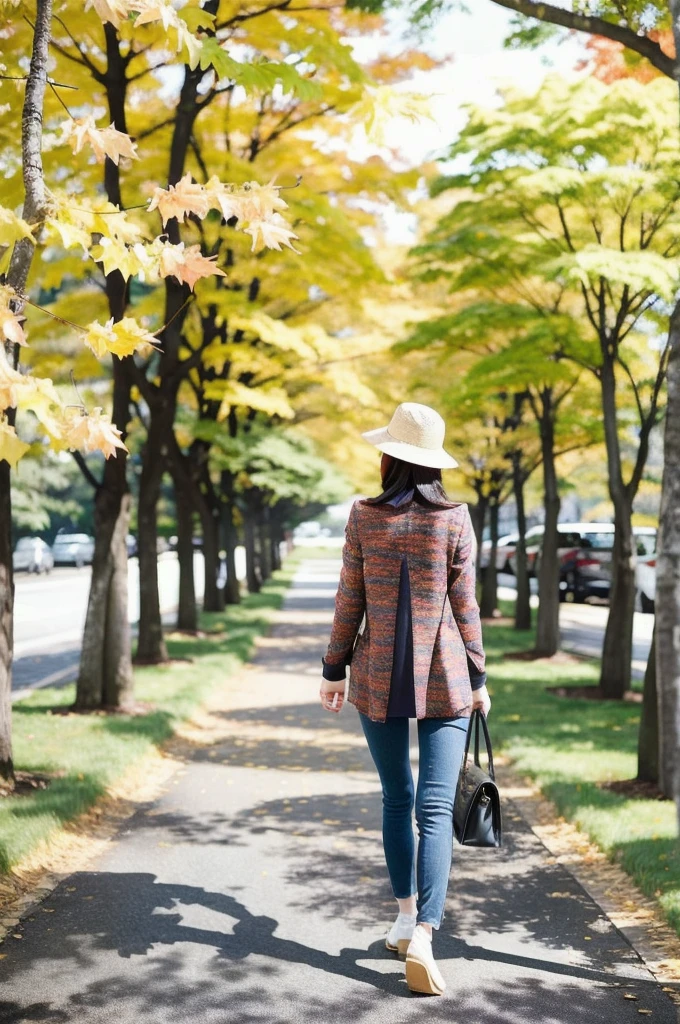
(447, 638)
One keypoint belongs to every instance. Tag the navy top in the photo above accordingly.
(402, 699)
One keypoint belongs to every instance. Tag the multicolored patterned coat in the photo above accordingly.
(438, 545)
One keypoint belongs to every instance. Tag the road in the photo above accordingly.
(50, 615)
(582, 626)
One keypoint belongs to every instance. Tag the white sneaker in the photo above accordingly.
(401, 933)
(422, 973)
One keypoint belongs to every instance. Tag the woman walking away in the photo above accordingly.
(408, 566)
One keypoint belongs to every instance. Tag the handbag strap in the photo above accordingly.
(476, 718)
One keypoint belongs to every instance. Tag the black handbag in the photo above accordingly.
(477, 806)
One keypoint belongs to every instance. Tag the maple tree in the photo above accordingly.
(546, 216)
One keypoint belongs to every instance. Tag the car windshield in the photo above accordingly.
(71, 538)
(24, 543)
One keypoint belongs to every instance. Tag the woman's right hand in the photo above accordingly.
(481, 700)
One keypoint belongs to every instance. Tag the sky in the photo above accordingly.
(477, 65)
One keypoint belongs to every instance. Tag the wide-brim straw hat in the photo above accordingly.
(415, 434)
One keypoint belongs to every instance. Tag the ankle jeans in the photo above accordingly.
(441, 743)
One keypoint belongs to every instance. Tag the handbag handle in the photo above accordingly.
(476, 717)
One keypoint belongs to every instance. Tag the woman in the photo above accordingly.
(409, 568)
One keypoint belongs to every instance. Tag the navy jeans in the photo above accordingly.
(441, 743)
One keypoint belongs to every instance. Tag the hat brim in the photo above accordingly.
(435, 458)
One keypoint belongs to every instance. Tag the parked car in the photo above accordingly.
(506, 548)
(131, 545)
(645, 573)
(33, 555)
(584, 554)
(73, 549)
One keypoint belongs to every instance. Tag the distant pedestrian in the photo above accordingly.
(408, 576)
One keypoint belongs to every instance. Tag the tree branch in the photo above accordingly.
(85, 470)
(595, 26)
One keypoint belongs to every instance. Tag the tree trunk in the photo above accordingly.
(490, 575)
(209, 511)
(648, 736)
(523, 602)
(6, 627)
(276, 538)
(252, 574)
(232, 590)
(105, 674)
(187, 619)
(17, 276)
(668, 579)
(265, 547)
(151, 649)
(548, 620)
(617, 650)
(668, 554)
(478, 516)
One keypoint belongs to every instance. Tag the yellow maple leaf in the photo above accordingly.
(113, 11)
(121, 338)
(12, 448)
(259, 202)
(12, 228)
(271, 234)
(10, 324)
(91, 432)
(81, 131)
(179, 200)
(187, 265)
(114, 255)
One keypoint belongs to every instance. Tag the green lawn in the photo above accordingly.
(89, 752)
(569, 746)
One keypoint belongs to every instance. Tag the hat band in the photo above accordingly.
(414, 444)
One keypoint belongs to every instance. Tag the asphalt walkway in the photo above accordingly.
(254, 890)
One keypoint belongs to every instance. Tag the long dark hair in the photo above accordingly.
(425, 481)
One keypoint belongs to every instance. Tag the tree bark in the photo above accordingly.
(478, 516)
(548, 619)
(490, 575)
(523, 602)
(232, 590)
(648, 737)
(151, 649)
(617, 651)
(17, 276)
(253, 579)
(668, 555)
(187, 619)
(210, 514)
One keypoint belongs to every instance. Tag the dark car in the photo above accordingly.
(585, 554)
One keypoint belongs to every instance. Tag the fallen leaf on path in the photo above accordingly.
(629, 995)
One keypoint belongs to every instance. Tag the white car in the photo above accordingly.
(507, 545)
(32, 555)
(645, 573)
(73, 549)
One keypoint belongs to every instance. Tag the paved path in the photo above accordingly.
(254, 890)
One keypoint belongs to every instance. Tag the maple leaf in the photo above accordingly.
(10, 381)
(154, 10)
(121, 338)
(91, 432)
(271, 234)
(39, 396)
(12, 448)
(10, 324)
(114, 11)
(187, 265)
(224, 198)
(104, 142)
(114, 255)
(12, 228)
(179, 200)
(259, 202)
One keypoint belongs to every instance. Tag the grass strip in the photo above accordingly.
(87, 753)
(570, 747)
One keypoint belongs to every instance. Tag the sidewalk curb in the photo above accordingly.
(636, 916)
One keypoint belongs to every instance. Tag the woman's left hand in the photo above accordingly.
(332, 694)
